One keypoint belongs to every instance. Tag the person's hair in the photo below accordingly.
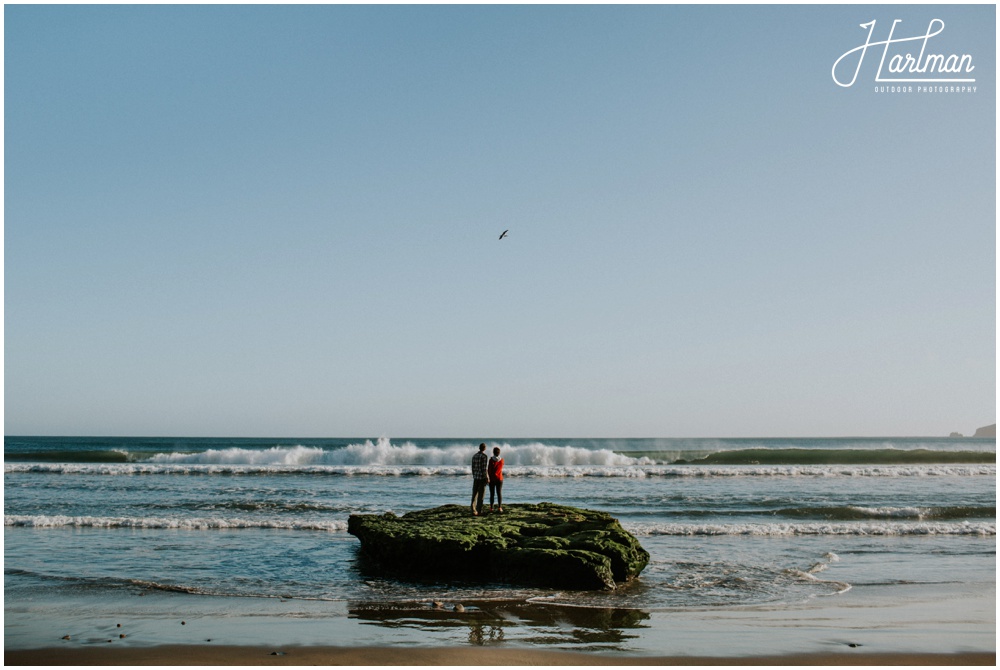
(482, 447)
(496, 451)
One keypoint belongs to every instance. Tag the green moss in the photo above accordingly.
(545, 542)
(540, 544)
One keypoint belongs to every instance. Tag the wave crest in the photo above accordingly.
(981, 529)
(215, 523)
(384, 453)
(628, 471)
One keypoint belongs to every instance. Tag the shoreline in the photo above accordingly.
(495, 656)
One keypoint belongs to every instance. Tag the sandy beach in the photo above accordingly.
(360, 656)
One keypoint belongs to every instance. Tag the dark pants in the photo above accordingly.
(478, 492)
(495, 487)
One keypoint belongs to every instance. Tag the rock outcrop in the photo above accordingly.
(986, 431)
(533, 545)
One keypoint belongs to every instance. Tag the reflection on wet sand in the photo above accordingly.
(497, 621)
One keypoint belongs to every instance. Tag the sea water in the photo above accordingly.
(757, 545)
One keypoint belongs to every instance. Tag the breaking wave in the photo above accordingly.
(637, 471)
(384, 453)
(536, 454)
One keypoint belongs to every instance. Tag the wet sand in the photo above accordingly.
(360, 656)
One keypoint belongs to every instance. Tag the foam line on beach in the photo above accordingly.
(214, 523)
(830, 513)
(887, 528)
(823, 566)
(680, 529)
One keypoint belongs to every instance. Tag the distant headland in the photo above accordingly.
(985, 431)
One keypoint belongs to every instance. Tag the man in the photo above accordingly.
(479, 479)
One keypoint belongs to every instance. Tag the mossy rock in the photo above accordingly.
(533, 545)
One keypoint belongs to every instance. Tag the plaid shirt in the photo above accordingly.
(479, 466)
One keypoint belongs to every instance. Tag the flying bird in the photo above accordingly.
(503, 234)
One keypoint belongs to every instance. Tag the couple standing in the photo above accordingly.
(486, 472)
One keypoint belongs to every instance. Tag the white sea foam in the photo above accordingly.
(822, 566)
(384, 453)
(537, 459)
(296, 462)
(982, 529)
(215, 523)
(297, 455)
(893, 512)
(810, 575)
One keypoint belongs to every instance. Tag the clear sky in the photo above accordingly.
(283, 221)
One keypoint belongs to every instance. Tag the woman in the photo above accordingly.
(495, 471)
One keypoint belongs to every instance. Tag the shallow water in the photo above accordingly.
(248, 539)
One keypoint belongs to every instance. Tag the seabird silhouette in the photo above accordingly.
(503, 234)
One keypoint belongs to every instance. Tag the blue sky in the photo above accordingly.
(283, 221)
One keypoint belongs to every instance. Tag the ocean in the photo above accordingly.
(758, 546)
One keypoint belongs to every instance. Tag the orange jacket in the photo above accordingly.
(496, 469)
